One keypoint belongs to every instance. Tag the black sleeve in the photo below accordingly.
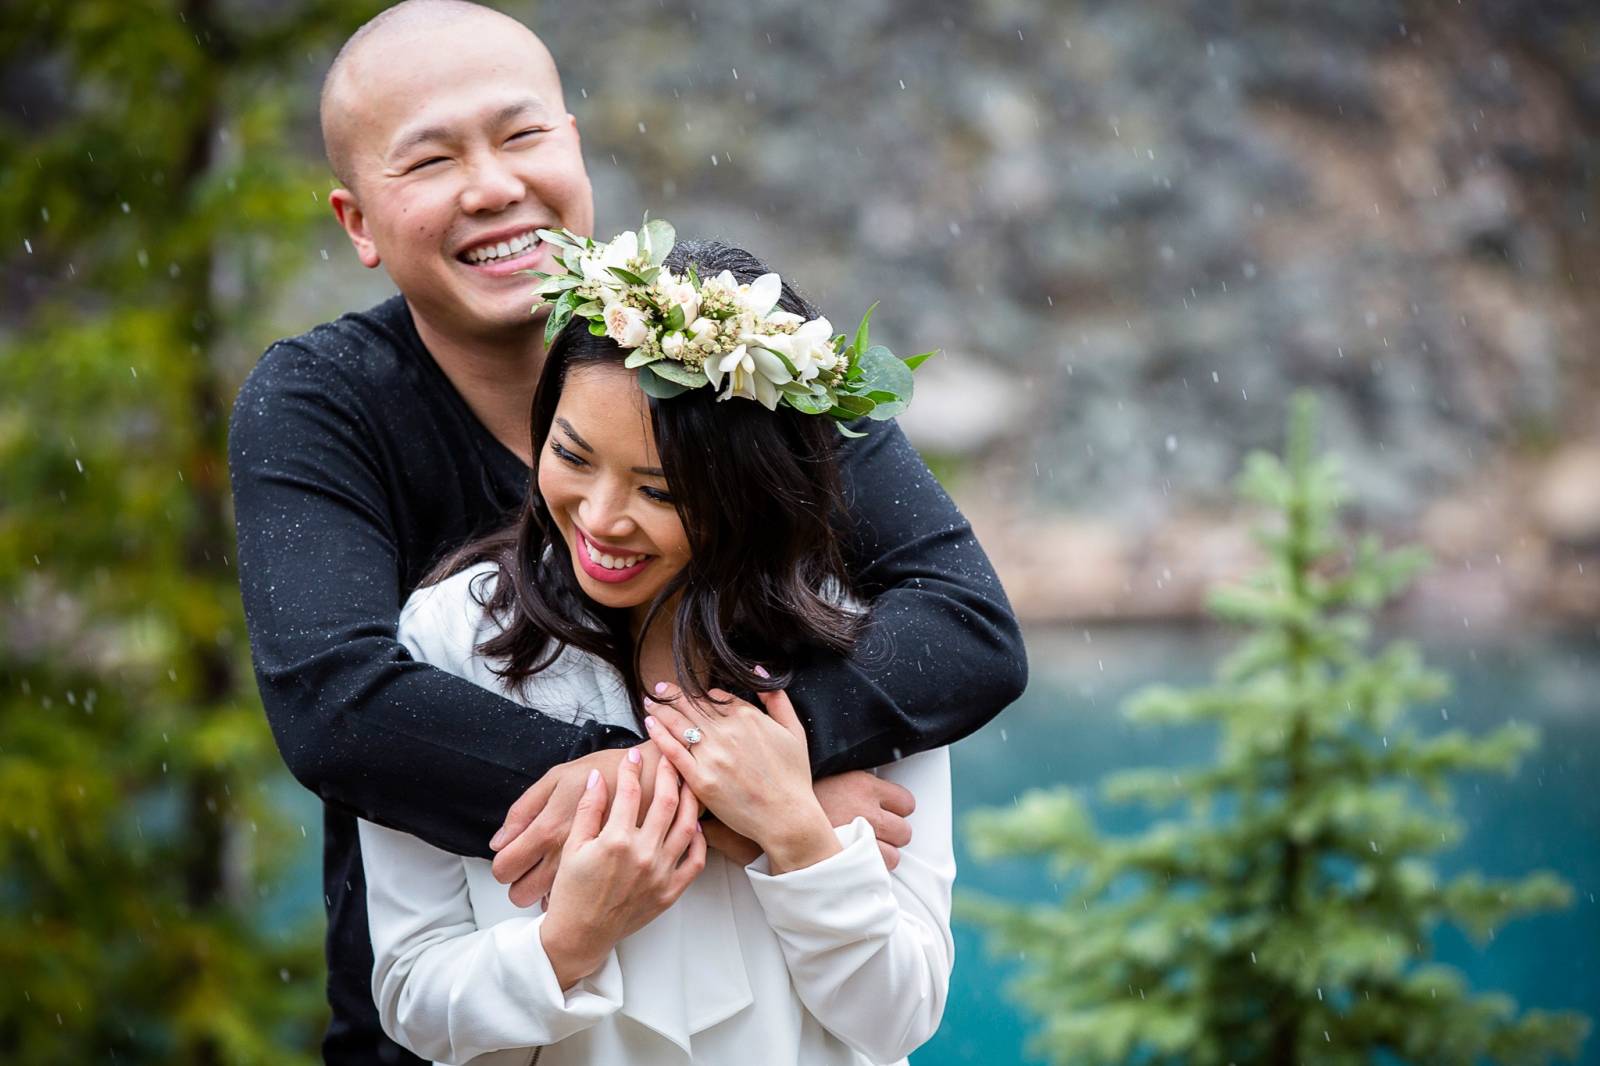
(358, 721)
(942, 653)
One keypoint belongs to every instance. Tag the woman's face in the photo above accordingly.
(601, 479)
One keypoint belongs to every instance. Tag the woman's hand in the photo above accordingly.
(750, 769)
(529, 844)
(617, 876)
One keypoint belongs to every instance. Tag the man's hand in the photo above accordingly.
(883, 804)
(528, 845)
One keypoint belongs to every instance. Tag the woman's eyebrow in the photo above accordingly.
(650, 471)
(564, 424)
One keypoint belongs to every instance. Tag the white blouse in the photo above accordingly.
(841, 962)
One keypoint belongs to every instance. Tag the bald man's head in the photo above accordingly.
(386, 39)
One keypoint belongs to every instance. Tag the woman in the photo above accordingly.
(671, 535)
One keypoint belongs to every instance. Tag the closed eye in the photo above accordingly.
(525, 133)
(425, 163)
(658, 495)
(566, 456)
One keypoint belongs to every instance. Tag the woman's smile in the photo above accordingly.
(604, 565)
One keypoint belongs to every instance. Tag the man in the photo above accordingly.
(364, 449)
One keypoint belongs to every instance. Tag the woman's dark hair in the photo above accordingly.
(759, 496)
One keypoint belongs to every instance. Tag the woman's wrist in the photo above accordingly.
(572, 957)
(801, 842)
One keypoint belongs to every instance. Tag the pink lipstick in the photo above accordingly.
(603, 573)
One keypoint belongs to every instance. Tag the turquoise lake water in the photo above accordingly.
(1067, 729)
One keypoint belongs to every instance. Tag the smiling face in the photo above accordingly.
(454, 145)
(601, 480)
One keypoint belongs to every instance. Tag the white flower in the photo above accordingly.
(702, 331)
(626, 325)
(672, 345)
(752, 373)
(761, 295)
(809, 349)
(597, 267)
(679, 293)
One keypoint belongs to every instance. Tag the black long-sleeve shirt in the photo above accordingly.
(356, 464)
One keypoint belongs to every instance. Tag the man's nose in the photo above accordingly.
(492, 186)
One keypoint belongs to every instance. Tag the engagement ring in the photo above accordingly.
(692, 735)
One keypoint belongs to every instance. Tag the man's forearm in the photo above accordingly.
(942, 653)
(416, 748)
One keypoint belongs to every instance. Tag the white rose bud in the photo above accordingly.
(702, 330)
(672, 345)
(626, 325)
(682, 294)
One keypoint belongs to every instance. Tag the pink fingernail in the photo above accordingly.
(594, 775)
(650, 722)
(761, 671)
(633, 756)
(661, 688)
(498, 841)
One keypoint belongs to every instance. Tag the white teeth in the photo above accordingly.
(611, 562)
(490, 252)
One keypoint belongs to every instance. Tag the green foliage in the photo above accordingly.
(1278, 908)
(162, 197)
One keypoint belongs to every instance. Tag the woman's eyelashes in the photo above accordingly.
(565, 456)
(577, 461)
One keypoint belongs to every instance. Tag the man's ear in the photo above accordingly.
(347, 209)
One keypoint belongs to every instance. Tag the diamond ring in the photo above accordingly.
(692, 735)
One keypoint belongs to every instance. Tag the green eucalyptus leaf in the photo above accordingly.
(558, 283)
(659, 237)
(914, 361)
(675, 318)
(657, 386)
(882, 372)
(589, 309)
(808, 401)
(597, 328)
(680, 374)
(639, 357)
(627, 276)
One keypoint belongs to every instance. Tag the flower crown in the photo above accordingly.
(687, 332)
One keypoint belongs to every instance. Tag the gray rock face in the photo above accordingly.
(1157, 219)
(1148, 223)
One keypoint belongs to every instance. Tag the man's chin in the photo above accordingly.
(503, 314)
